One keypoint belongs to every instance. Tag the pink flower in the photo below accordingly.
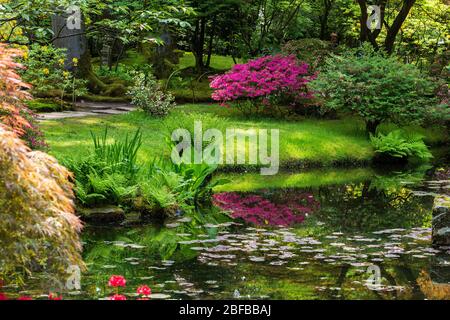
(144, 290)
(24, 298)
(257, 210)
(263, 77)
(3, 296)
(52, 297)
(118, 297)
(117, 281)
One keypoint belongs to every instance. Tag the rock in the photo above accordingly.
(132, 219)
(106, 214)
(441, 220)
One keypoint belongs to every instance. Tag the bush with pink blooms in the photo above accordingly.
(264, 84)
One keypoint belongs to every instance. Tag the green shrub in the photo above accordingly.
(111, 175)
(123, 73)
(119, 156)
(375, 87)
(312, 51)
(398, 144)
(45, 105)
(108, 174)
(148, 95)
(46, 71)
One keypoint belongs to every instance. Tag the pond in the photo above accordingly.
(329, 241)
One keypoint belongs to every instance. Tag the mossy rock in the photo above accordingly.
(441, 220)
(47, 105)
(102, 98)
(102, 215)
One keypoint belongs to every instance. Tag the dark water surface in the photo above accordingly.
(336, 238)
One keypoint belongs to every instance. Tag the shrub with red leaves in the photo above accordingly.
(13, 113)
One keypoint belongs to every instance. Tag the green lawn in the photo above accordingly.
(301, 141)
(311, 178)
(132, 57)
(217, 62)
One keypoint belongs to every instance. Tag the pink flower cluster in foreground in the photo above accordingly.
(260, 211)
(117, 281)
(263, 77)
(144, 292)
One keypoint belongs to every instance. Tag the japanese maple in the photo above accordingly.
(13, 91)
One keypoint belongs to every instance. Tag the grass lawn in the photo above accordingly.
(311, 178)
(302, 141)
(217, 62)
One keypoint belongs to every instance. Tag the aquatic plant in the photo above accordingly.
(117, 281)
(144, 290)
(112, 175)
(52, 296)
(259, 211)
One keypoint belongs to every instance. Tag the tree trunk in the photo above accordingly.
(198, 44)
(211, 42)
(371, 126)
(397, 24)
(365, 33)
(371, 35)
(324, 19)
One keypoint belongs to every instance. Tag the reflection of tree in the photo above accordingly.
(146, 244)
(361, 207)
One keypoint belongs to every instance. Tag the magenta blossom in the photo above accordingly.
(263, 78)
(257, 210)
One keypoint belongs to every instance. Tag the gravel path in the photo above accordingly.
(89, 109)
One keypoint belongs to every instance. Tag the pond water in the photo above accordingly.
(329, 242)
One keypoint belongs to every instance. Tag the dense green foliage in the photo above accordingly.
(148, 95)
(375, 87)
(45, 70)
(397, 144)
(39, 230)
(112, 174)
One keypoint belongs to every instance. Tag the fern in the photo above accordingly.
(399, 144)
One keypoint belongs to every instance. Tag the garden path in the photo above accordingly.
(89, 109)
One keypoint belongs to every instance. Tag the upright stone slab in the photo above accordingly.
(441, 220)
(69, 32)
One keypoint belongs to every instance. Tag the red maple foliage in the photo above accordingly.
(13, 91)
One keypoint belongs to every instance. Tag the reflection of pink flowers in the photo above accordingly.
(260, 211)
(144, 290)
(25, 298)
(263, 77)
(117, 281)
(118, 297)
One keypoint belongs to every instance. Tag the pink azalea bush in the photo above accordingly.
(259, 211)
(266, 81)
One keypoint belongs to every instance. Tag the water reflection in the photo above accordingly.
(296, 243)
